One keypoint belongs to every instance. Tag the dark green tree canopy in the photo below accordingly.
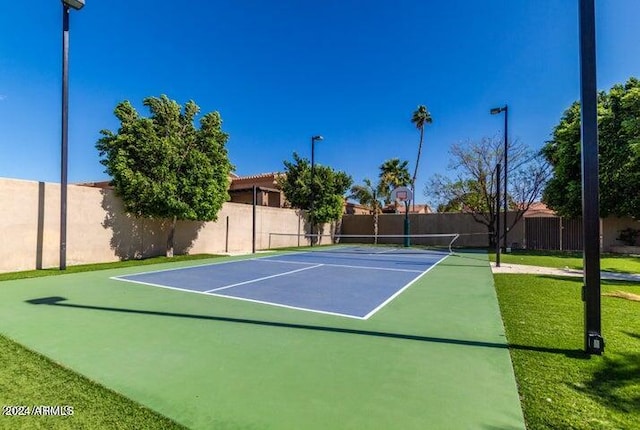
(619, 155)
(329, 188)
(163, 166)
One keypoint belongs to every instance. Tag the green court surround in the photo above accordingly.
(434, 358)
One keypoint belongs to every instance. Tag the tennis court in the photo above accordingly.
(350, 281)
(343, 338)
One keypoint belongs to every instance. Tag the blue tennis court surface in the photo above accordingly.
(350, 282)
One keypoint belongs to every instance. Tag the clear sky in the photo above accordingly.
(281, 71)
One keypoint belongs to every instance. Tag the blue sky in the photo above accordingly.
(282, 71)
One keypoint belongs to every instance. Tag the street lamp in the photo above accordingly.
(313, 171)
(77, 5)
(496, 111)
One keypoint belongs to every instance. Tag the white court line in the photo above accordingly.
(281, 305)
(215, 263)
(346, 265)
(385, 251)
(161, 286)
(263, 278)
(401, 290)
(262, 302)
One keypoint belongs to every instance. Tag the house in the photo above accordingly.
(400, 209)
(351, 208)
(240, 189)
(267, 191)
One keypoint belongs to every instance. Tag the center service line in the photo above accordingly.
(262, 279)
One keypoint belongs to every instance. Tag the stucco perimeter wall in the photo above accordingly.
(611, 228)
(98, 230)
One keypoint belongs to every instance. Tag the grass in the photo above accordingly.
(561, 387)
(29, 379)
(100, 266)
(572, 260)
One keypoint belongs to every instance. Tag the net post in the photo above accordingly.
(455, 237)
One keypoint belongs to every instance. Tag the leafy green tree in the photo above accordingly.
(327, 191)
(619, 155)
(163, 166)
(371, 197)
(393, 174)
(473, 189)
(420, 118)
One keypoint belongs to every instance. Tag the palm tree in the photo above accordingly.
(369, 196)
(420, 117)
(393, 174)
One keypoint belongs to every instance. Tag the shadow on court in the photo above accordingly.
(60, 302)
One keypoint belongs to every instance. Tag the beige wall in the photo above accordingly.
(98, 230)
(611, 230)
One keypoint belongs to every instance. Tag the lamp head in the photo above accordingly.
(496, 111)
(74, 4)
(317, 137)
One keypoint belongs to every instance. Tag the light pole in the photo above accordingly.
(313, 188)
(496, 111)
(498, 215)
(77, 5)
(593, 340)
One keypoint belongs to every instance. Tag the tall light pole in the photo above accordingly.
(313, 188)
(66, 5)
(593, 340)
(496, 111)
(498, 215)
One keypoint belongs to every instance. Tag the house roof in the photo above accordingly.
(258, 176)
(538, 209)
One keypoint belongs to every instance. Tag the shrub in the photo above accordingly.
(629, 236)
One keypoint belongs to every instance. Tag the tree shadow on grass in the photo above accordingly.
(634, 335)
(579, 280)
(616, 383)
(60, 302)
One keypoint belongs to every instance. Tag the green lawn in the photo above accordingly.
(560, 387)
(36, 380)
(572, 260)
(100, 266)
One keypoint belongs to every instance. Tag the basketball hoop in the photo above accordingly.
(402, 194)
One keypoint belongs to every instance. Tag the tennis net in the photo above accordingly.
(444, 242)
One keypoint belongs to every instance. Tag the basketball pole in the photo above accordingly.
(407, 241)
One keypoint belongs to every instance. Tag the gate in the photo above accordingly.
(553, 233)
(542, 233)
